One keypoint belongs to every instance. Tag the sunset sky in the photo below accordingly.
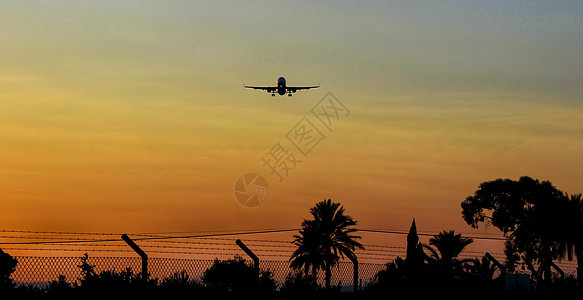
(131, 116)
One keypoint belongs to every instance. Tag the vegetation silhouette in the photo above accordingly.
(541, 225)
(237, 276)
(323, 238)
(414, 261)
(439, 273)
(111, 279)
(571, 237)
(179, 280)
(536, 218)
(298, 283)
(7, 267)
(483, 269)
(445, 247)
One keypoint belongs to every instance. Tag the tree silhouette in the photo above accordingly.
(236, 276)
(414, 261)
(308, 255)
(298, 283)
(7, 266)
(177, 280)
(483, 268)
(529, 213)
(111, 279)
(324, 238)
(393, 274)
(571, 238)
(445, 247)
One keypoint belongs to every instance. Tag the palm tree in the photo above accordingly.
(483, 268)
(447, 246)
(324, 238)
(308, 254)
(393, 274)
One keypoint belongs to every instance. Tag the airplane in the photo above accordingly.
(281, 88)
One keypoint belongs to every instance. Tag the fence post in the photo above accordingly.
(250, 254)
(354, 271)
(496, 263)
(140, 252)
(554, 266)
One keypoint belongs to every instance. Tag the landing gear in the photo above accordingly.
(273, 95)
(289, 95)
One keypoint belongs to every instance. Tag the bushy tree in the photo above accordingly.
(111, 279)
(571, 239)
(299, 283)
(529, 213)
(236, 276)
(7, 267)
(177, 280)
(393, 275)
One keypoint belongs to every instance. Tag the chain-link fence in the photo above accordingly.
(39, 271)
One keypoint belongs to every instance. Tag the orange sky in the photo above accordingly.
(132, 117)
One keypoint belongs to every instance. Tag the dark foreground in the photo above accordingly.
(419, 292)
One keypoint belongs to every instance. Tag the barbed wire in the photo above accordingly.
(176, 247)
(144, 238)
(475, 237)
(191, 242)
(238, 232)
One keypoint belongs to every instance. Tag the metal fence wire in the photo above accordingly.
(39, 271)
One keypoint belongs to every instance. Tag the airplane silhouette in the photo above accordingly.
(281, 88)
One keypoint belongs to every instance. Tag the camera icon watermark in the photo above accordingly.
(251, 189)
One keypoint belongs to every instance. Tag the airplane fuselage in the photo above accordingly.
(281, 89)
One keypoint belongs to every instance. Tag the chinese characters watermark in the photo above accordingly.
(284, 157)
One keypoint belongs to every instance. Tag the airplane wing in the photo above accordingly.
(270, 88)
(297, 88)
